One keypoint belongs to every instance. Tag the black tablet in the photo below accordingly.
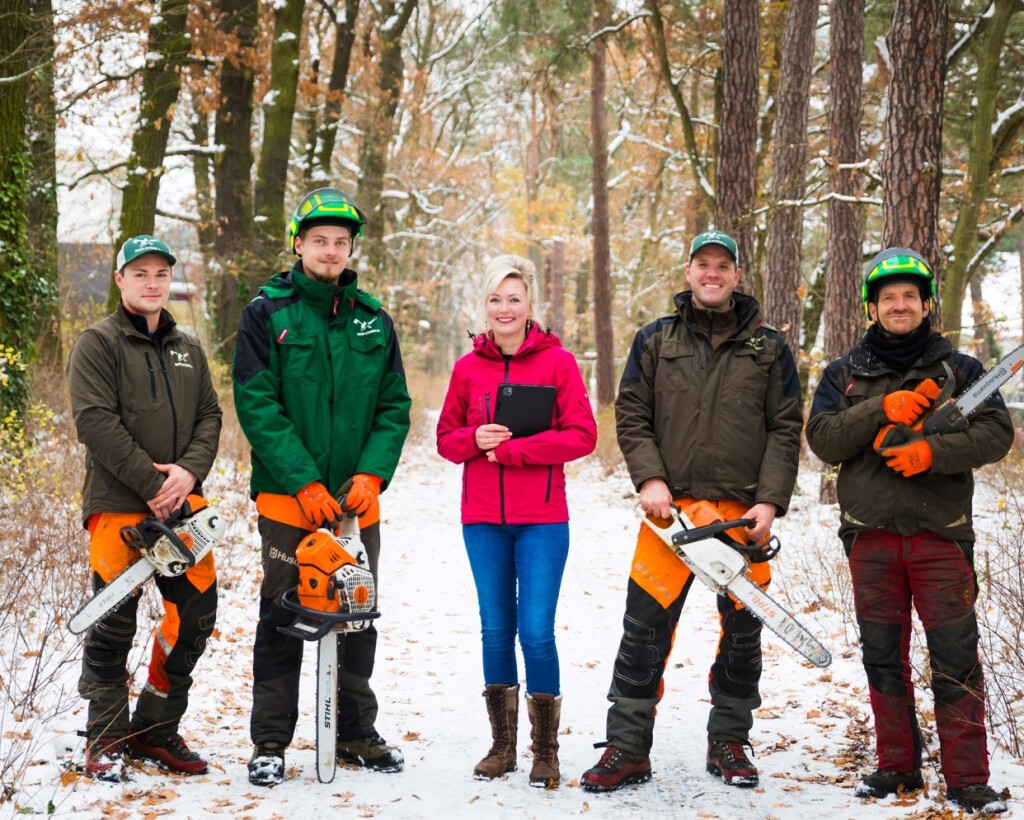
(525, 409)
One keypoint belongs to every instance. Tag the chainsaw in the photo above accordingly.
(950, 415)
(721, 562)
(170, 548)
(336, 594)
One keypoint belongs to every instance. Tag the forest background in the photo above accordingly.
(596, 137)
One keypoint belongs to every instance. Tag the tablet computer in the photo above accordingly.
(525, 409)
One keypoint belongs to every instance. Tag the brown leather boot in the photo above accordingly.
(545, 711)
(503, 710)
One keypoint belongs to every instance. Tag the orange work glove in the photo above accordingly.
(905, 406)
(912, 457)
(318, 505)
(362, 497)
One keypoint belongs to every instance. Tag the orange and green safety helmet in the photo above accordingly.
(325, 206)
(897, 265)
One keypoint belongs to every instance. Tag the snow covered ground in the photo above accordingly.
(812, 737)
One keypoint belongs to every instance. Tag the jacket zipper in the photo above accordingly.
(170, 399)
(501, 467)
(152, 377)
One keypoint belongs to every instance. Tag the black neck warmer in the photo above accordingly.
(899, 352)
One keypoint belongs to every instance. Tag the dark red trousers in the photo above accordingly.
(890, 574)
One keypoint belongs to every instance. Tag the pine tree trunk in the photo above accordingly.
(736, 185)
(912, 164)
(788, 182)
(843, 311)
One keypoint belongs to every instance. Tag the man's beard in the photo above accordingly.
(326, 280)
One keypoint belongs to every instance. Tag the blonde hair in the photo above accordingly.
(508, 265)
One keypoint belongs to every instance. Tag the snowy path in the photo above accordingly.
(809, 736)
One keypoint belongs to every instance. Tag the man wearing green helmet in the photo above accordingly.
(321, 396)
(906, 525)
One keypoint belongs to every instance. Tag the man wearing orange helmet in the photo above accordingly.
(321, 396)
(906, 525)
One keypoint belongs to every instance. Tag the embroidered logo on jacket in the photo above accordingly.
(180, 359)
(366, 327)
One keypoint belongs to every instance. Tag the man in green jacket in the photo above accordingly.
(321, 396)
(907, 527)
(146, 410)
(708, 413)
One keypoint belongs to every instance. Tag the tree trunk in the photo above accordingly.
(275, 152)
(844, 255)
(166, 52)
(41, 199)
(980, 167)
(232, 174)
(736, 178)
(17, 323)
(555, 277)
(912, 164)
(603, 330)
(658, 38)
(378, 127)
(788, 185)
(982, 322)
(344, 38)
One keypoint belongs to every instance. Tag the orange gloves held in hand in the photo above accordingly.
(362, 498)
(910, 458)
(905, 406)
(318, 505)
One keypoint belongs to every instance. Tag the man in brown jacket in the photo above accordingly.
(907, 528)
(708, 410)
(145, 408)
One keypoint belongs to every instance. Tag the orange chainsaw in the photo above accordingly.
(336, 594)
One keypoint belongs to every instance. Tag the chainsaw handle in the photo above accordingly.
(711, 530)
(946, 418)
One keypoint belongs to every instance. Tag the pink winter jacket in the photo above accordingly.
(527, 485)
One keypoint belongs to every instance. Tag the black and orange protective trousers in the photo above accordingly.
(891, 573)
(190, 610)
(658, 584)
(277, 658)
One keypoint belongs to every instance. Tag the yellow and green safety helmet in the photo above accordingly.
(897, 264)
(326, 206)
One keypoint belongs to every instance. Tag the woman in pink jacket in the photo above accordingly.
(515, 519)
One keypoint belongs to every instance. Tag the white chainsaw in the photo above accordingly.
(336, 594)
(722, 565)
(169, 548)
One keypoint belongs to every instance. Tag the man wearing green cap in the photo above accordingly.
(145, 408)
(708, 418)
(321, 396)
(906, 525)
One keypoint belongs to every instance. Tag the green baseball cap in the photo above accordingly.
(141, 245)
(714, 238)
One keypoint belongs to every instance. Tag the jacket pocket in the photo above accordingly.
(300, 358)
(675, 367)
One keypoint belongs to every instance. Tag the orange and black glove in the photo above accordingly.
(910, 458)
(905, 406)
(888, 435)
(362, 497)
(318, 505)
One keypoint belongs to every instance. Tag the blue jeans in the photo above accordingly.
(518, 572)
